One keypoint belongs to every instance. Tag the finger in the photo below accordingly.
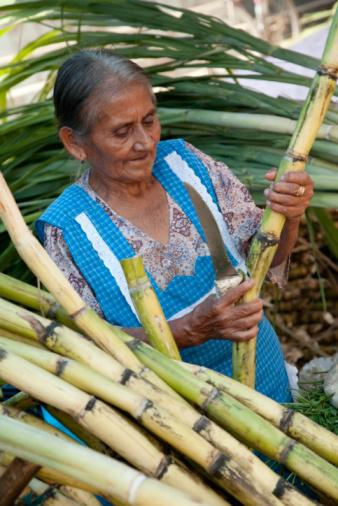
(301, 178)
(271, 174)
(288, 212)
(247, 322)
(235, 316)
(234, 294)
(246, 315)
(285, 188)
(282, 198)
(241, 335)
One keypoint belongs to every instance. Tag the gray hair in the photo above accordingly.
(85, 80)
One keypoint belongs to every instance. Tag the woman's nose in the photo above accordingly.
(143, 140)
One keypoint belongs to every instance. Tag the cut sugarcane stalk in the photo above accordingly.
(110, 476)
(296, 425)
(148, 308)
(33, 297)
(51, 476)
(158, 421)
(211, 432)
(30, 419)
(265, 243)
(244, 423)
(54, 496)
(20, 400)
(94, 383)
(114, 429)
(81, 497)
(80, 432)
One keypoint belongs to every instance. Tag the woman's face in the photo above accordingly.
(122, 143)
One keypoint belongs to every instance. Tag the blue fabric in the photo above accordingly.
(181, 292)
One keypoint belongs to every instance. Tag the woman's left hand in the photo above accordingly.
(291, 195)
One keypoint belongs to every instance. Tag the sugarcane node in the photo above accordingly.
(280, 488)
(42, 332)
(286, 420)
(3, 354)
(52, 311)
(219, 462)
(82, 309)
(201, 424)
(329, 71)
(133, 344)
(61, 365)
(143, 407)
(285, 452)
(90, 404)
(297, 157)
(126, 375)
(163, 467)
(267, 240)
(213, 394)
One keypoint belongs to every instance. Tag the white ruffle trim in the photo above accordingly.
(107, 256)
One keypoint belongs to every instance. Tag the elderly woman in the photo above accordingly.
(132, 201)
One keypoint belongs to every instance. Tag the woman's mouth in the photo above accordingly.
(140, 158)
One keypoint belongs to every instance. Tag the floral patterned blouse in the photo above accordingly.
(177, 257)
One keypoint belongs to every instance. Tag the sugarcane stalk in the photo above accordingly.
(174, 432)
(18, 414)
(266, 241)
(33, 297)
(81, 497)
(152, 460)
(258, 122)
(110, 476)
(52, 496)
(148, 307)
(91, 441)
(94, 383)
(15, 479)
(105, 335)
(20, 400)
(52, 476)
(207, 429)
(242, 422)
(299, 427)
(20, 338)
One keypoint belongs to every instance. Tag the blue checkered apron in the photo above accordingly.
(97, 246)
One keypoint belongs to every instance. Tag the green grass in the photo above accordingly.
(316, 405)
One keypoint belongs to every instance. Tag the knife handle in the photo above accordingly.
(223, 285)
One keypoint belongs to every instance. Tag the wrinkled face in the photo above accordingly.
(122, 143)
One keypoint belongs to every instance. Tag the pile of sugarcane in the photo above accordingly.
(196, 64)
(118, 393)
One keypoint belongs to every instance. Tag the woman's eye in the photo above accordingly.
(121, 132)
(149, 120)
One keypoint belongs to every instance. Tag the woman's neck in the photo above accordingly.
(112, 189)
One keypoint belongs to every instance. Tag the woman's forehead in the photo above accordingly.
(134, 100)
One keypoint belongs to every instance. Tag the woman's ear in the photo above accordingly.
(71, 143)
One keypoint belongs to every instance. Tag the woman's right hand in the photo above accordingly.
(221, 318)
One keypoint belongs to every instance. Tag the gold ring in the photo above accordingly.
(300, 192)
